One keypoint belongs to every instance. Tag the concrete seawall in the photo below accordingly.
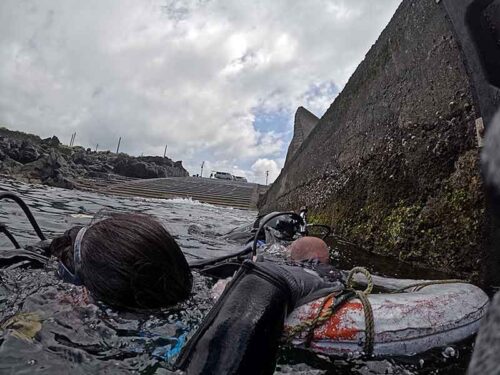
(394, 162)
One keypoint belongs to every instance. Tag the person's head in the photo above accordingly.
(127, 260)
(309, 248)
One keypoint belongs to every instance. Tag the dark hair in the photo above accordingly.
(129, 260)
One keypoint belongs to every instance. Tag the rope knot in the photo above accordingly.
(364, 271)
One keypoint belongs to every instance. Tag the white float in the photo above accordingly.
(405, 323)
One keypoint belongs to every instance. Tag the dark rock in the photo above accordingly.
(54, 164)
(12, 151)
(55, 160)
(34, 169)
(148, 167)
(59, 181)
(51, 142)
(47, 167)
(10, 166)
(80, 158)
(27, 153)
(178, 164)
(133, 168)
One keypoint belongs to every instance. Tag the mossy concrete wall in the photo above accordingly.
(393, 163)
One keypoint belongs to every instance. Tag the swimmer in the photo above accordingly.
(130, 260)
(126, 260)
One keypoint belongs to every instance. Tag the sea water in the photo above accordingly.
(48, 326)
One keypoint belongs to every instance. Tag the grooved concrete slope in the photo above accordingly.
(213, 191)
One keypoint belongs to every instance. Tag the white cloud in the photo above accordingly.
(190, 74)
(263, 168)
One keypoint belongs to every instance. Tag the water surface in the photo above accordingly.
(50, 327)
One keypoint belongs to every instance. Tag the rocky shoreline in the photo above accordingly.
(47, 161)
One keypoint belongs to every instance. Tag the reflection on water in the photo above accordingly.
(49, 326)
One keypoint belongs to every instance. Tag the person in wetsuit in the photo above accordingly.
(126, 260)
(130, 260)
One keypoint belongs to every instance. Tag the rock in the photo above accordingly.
(58, 180)
(100, 168)
(55, 160)
(56, 165)
(51, 142)
(46, 167)
(134, 168)
(28, 153)
(79, 158)
(10, 166)
(148, 167)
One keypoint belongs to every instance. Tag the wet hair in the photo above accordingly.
(128, 260)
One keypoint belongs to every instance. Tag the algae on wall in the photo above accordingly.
(393, 164)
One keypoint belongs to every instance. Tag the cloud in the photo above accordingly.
(195, 75)
(265, 168)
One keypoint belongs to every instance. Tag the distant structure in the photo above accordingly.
(305, 122)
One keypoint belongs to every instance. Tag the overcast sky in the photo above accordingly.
(215, 80)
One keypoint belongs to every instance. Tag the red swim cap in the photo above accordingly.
(306, 248)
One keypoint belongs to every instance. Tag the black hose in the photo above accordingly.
(328, 229)
(262, 225)
(4, 230)
(249, 248)
(26, 210)
(197, 264)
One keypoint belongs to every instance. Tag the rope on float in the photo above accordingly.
(325, 315)
(322, 316)
(367, 307)
(423, 284)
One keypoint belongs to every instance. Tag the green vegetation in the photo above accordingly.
(442, 231)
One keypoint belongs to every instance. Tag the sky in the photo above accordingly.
(215, 81)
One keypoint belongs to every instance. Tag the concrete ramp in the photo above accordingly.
(218, 192)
